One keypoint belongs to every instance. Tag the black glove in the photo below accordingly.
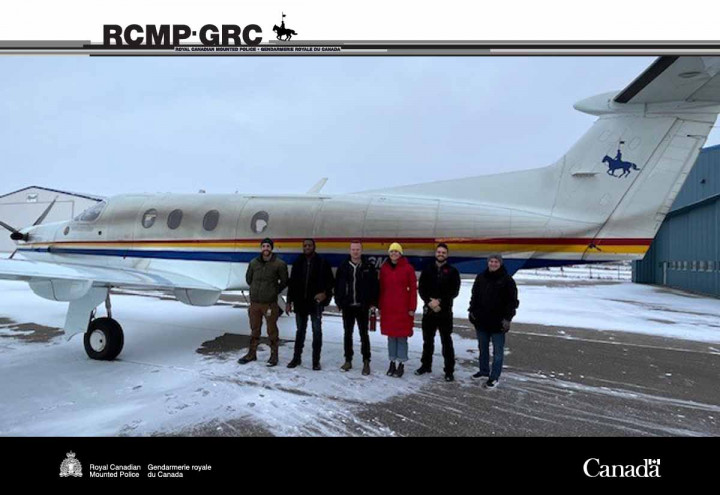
(471, 317)
(506, 326)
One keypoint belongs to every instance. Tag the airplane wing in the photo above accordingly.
(85, 287)
(675, 79)
(34, 271)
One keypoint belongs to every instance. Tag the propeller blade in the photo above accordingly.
(11, 229)
(45, 213)
(13, 254)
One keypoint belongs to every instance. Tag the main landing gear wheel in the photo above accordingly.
(104, 339)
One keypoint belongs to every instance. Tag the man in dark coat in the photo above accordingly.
(309, 291)
(492, 308)
(266, 276)
(356, 291)
(439, 284)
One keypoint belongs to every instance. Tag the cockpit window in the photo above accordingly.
(92, 213)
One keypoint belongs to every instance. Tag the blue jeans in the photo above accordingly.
(398, 349)
(301, 320)
(498, 342)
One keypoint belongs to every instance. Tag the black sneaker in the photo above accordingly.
(422, 370)
(400, 370)
(480, 374)
(316, 367)
(391, 370)
(449, 377)
(294, 363)
(491, 383)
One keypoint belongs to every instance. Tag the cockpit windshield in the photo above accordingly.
(91, 214)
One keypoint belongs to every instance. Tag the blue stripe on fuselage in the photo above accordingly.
(468, 265)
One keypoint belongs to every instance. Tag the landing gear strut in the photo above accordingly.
(104, 337)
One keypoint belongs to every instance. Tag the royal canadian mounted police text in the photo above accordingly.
(169, 35)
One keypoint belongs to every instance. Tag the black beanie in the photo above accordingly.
(267, 240)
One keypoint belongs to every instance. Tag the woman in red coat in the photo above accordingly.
(398, 300)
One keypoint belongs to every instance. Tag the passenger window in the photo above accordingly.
(148, 219)
(211, 219)
(259, 222)
(174, 219)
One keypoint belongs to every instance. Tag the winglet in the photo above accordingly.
(318, 186)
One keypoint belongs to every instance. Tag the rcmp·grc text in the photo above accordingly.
(167, 35)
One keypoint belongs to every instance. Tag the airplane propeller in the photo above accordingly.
(45, 213)
(16, 235)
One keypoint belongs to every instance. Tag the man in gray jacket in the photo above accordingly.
(267, 276)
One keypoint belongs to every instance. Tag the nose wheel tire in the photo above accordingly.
(104, 339)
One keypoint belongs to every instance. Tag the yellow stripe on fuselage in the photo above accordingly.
(342, 246)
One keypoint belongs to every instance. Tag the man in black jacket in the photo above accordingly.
(356, 292)
(492, 307)
(439, 284)
(309, 291)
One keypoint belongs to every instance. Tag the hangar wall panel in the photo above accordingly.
(686, 251)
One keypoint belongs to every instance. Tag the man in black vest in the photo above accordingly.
(356, 291)
(439, 284)
(309, 291)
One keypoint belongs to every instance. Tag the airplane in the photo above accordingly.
(603, 200)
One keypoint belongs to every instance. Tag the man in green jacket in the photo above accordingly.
(267, 276)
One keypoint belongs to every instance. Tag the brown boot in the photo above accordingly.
(273, 361)
(366, 368)
(250, 356)
(347, 366)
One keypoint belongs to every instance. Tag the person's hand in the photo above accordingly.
(434, 303)
(411, 313)
(320, 297)
(506, 326)
(288, 308)
(471, 317)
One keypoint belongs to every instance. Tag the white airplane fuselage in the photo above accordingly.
(141, 232)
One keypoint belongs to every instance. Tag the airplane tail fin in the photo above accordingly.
(621, 178)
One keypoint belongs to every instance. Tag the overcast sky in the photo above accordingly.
(278, 124)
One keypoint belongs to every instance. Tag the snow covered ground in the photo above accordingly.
(622, 306)
(162, 385)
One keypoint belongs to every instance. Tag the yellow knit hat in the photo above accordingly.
(395, 247)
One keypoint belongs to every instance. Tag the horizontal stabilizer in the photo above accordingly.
(675, 79)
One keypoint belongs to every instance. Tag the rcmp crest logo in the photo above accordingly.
(70, 466)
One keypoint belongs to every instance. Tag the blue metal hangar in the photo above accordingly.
(686, 251)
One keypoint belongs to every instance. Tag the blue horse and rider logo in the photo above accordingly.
(617, 163)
